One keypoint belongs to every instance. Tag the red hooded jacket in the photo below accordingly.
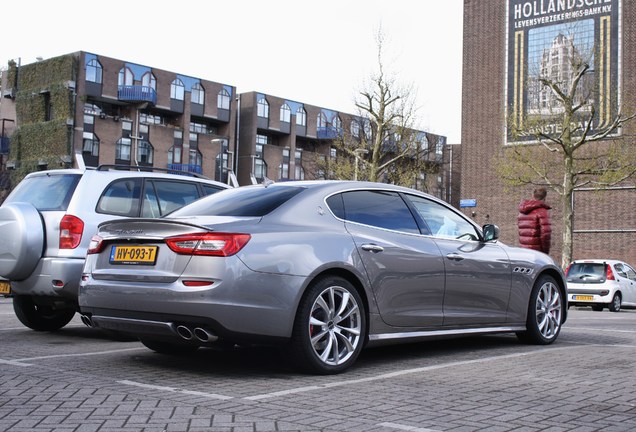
(533, 221)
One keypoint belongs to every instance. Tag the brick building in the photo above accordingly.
(118, 112)
(497, 36)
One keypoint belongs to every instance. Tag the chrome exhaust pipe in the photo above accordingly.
(88, 322)
(204, 335)
(184, 332)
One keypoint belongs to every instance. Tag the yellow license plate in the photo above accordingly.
(146, 255)
(583, 297)
(5, 288)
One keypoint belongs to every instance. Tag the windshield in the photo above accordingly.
(46, 192)
(243, 201)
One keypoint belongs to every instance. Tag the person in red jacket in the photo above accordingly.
(533, 221)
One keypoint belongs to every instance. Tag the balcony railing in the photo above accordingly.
(135, 93)
(186, 168)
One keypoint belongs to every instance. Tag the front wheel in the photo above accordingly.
(40, 317)
(330, 327)
(545, 311)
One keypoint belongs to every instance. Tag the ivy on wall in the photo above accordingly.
(44, 104)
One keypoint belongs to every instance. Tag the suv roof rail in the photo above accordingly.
(107, 167)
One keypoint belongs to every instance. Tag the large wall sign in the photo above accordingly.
(549, 40)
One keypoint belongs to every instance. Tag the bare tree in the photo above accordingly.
(383, 144)
(553, 148)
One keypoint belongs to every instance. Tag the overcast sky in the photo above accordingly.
(319, 53)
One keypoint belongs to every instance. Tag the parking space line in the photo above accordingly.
(602, 330)
(174, 390)
(406, 428)
(401, 373)
(21, 361)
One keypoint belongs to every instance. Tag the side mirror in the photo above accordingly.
(491, 232)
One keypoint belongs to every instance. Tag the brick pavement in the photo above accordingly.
(79, 380)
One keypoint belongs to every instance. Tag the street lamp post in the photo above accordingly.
(357, 152)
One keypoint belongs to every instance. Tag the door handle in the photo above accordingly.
(454, 257)
(372, 248)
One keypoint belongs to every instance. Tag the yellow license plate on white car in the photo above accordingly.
(583, 297)
(144, 255)
(5, 288)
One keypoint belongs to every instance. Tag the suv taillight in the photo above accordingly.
(71, 229)
(609, 274)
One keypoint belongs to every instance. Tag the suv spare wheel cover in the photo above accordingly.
(21, 240)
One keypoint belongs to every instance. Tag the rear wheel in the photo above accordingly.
(615, 305)
(545, 311)
(41, 317)
(330, 327)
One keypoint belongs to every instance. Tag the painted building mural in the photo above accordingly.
(554, 40)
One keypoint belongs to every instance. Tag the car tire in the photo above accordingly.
(615, 305)
(330, 327)
(40, 317)
(597, 308)
(545, 313)
(171, 348)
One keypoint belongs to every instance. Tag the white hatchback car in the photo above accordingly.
(601, 283)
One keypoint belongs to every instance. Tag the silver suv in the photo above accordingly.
(47, 221)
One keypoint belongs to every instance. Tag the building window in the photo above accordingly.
(91, 144)
(177, 90)
(260, 169)
(299, 172)
(262, 109)
(367, 129)
(198, 128)
(125, 77)
(198, 94)
(146, 118)
(337, 123)
(321, 121)
(196, 158)
(223, 100)
(283, 169)
(301, 116)
(145, 152)
(148, 80)
(174, 155)
(285, 113)
(122, 149)
(262, 139)
(439, 146)
(355, 128)
(94, 71)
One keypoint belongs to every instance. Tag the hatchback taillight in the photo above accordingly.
(211, 244)
(71, 229)
(96, 245)
(609, 273)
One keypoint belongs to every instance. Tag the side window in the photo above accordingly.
(150, 206)
(442, 221)
(620, 270)
(631, 274)
(121, 198)
(382, 209)
(209, 189)
(172, 195)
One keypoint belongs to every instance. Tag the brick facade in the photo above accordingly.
(604, 223)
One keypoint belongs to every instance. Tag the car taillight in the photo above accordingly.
(609, 274)
(567, 270)
(71, 229)
(96, 245)
(211, 244)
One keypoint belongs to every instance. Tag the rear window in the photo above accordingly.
(586, 272)
(50, 192)
(245, 202)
